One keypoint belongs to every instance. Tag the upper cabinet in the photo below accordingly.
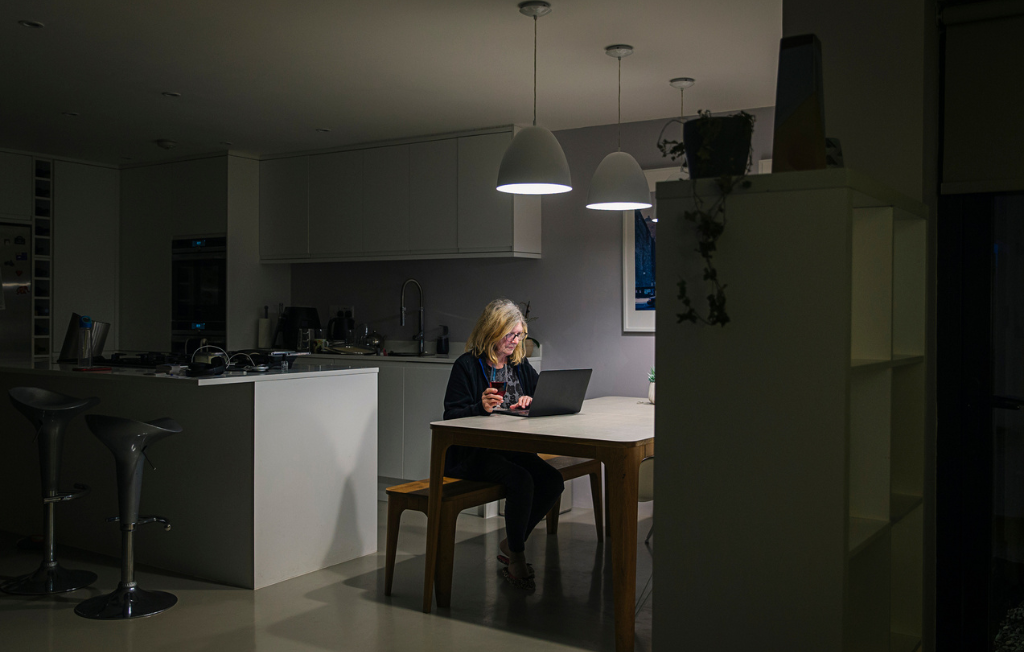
(336, 215)
(284, 208)
(429, 199)
(15, 186)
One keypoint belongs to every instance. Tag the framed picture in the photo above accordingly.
(639, 238)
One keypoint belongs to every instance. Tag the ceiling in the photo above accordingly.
(264, 75)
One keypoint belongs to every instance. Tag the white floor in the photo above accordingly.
(344, 607)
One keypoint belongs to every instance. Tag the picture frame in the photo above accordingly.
(638, 313)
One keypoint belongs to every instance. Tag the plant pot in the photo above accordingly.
(650, 393)
(717, 146)
(528, 347)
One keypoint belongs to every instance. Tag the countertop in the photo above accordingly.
(227, 378)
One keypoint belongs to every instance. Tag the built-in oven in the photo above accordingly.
(198, 291)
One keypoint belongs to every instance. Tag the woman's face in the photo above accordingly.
(507, 345)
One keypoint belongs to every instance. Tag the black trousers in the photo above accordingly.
(532, 486)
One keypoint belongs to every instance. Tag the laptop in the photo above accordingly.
(558, 392)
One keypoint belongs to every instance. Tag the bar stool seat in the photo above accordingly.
(50, 414)
(128, 441)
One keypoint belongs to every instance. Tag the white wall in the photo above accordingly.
(85, 248)
(158, 203)
(250, 284)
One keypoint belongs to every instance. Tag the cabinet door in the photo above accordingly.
(485, 215)
(336, 203)
(16, 185)
(434, 196)
(390, 420)
(284, 204)
(425, 385)
(386, 199)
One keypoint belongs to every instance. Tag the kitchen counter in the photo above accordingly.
(273, 476)
(324, 366)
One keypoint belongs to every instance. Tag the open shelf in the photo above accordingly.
(908, 412)
(871, 324)
(907, 590)
(867, 621)
(909, 284)
(902, 504)
(870, 423)
(863, 531)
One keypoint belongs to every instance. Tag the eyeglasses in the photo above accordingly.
(515, 336)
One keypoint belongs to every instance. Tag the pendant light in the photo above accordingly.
(619, 184)
(534, 163)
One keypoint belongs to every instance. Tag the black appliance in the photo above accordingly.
(198, 291)
(339, 327)
(292, 319)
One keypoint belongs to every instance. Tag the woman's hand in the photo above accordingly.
(524, 402)
(491, 399)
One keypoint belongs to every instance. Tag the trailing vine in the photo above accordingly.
(709, 219)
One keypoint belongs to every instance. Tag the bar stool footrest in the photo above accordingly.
(64, 496)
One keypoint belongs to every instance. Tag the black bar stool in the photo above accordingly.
(128, 441)
(50, 413)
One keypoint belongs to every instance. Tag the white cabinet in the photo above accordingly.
(434, 196)
(492, 221)
(390, 420)
(425, 386)
(336, 217)
(386, 199)
(284, 208)
(15, 186)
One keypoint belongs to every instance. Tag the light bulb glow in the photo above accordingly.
(534, 188)
(618, 206)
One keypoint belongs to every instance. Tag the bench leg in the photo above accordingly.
(394, 522)
(595, 491)
(445, 557)
(552, 518)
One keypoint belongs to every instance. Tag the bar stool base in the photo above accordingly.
(125, 603)
(49, 579)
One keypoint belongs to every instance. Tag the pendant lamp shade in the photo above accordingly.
(534, 164)
(619, 185)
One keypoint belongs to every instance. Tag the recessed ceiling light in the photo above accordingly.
(31, 23)
(322, 130)
(70, 114)
(170, 94)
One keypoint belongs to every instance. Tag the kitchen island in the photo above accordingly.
(273, 476)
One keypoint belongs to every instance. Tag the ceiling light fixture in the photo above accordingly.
(534, 163)
(682, 83)
(31, 24)
(619, 184)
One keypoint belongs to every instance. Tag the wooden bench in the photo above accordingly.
(464, 494)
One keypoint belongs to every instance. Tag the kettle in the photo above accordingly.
(375, 341)
(339, 327)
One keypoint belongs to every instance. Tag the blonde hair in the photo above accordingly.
(497, 320)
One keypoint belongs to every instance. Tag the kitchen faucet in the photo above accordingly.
(419, 336)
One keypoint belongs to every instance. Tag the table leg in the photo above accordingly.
(440, 441)
(622, 472)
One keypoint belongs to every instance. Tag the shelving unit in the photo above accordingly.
(802, 420)
(42, 257)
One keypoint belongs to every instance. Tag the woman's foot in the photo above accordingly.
(517, 572)
(505, 555)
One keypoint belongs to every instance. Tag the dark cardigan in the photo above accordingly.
(466, 386)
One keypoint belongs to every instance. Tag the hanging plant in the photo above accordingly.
(720, 147)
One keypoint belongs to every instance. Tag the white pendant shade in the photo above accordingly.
(534, 164)
(619, 185)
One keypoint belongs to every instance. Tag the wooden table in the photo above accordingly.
(618, 431)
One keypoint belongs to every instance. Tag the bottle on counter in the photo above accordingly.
(85, 342)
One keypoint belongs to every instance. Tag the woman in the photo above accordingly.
(494, 355)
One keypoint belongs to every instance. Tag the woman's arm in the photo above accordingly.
(461, 398)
